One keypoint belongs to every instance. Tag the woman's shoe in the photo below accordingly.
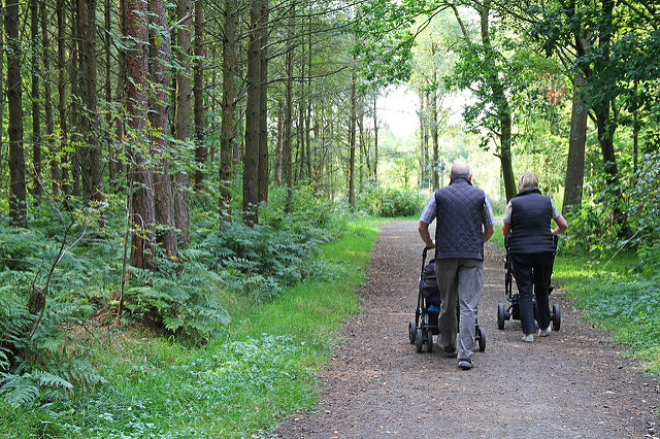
(545, 332)
(528, 338)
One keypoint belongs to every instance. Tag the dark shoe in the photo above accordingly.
(451, 352)
(464, 364)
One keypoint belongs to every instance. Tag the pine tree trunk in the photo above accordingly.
(17, 189)
(92, 175)
(287, 140)
(61, 91)
(264, 174)
(252, 117)
(36, 98)
(142, 198)
(228, 129)
(201, 152)
(180, 179)
(351, 140)
(48, 99)
(159, 79)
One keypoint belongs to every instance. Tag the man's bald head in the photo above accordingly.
(460, 168)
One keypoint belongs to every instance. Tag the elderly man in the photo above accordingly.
(464, 222)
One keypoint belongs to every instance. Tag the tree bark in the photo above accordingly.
(180, 179)
(576, 148)
(17, 189)
(228, 129)
(201, 152)
(160, 54)
(287, 138)
(61, 91)
(433, 119)
(351, 139)
(48, 99)
(263, 178)
(252, 117)
(92, 175)
(140, 178)
(36, 99)
(501, 104)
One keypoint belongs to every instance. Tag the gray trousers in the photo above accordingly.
(459, 281)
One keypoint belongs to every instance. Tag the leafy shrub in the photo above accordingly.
(644, 210)
(181, 302)
(391, 202)
(259, 259)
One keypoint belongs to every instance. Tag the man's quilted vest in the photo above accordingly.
(530, 223)
(459, 219)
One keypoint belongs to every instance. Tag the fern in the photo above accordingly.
(18, 390)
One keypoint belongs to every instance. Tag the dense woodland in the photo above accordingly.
(148, 147)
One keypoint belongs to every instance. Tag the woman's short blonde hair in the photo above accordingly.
(528, 180)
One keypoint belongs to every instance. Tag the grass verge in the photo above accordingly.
(616, 297)
(236, 386)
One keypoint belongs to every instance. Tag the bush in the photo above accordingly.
(391, 202)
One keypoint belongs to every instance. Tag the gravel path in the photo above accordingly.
(573, 384)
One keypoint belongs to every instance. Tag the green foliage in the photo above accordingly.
(616, 298)
(234, 386)
(390, 202)
(644, 211)
(183, 302)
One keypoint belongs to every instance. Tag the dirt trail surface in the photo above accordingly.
(572, 384)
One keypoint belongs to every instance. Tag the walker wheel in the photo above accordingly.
(412, 331)
(482, 340)
(556, 317)
(501, 316)
(419, 341)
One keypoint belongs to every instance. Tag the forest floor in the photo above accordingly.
(574, 383)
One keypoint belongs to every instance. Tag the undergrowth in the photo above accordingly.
(219, 344)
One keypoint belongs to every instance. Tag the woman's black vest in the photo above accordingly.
(530, 223)
(459, 218)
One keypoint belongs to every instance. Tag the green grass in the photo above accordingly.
(243, 383)
(616, 297)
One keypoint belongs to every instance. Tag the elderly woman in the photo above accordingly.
(527, 222)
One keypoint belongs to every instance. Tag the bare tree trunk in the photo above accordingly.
(122, 78)
(308, 117)
(228, 130)
(75, 115)
(433, 121)
(17, 189)
(92, 175)
(501, 104)
(201, 152)
(352, 139)
(36, 99)
(140, 177)
(287, 140)
(277, 171)
(182, 118)
(107, 87)
(264, 175)
(576, 148)
(61, 90)
(2, 84)
(252, 117)
(48, 99)
(160, 79)
(375, 174)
